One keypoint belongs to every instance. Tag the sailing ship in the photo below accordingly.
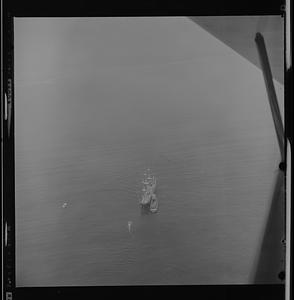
(149, 199)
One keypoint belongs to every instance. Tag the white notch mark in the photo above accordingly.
(64, 205)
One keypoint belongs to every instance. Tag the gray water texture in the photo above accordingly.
(82, 146)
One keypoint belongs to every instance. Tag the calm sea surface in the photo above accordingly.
(82, 146)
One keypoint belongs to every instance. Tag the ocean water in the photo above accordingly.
(83, 144)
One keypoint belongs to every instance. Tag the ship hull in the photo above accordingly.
(149, 201)
(153, 204)
(150, 190)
